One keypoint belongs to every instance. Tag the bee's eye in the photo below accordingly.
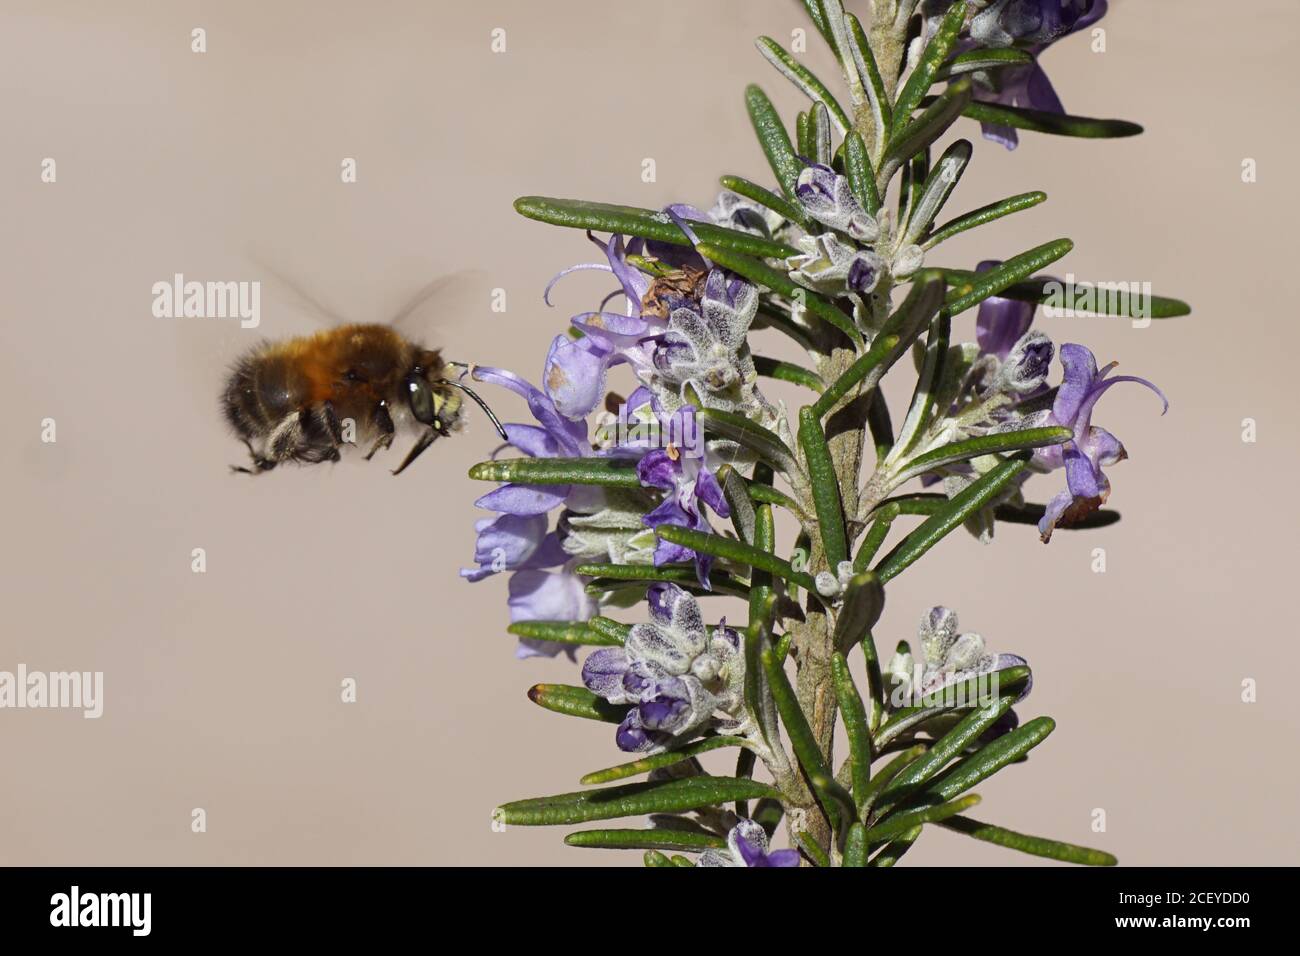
(420, 399)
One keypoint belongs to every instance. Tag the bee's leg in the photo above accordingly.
(383, 423)
(424, 441)
(330, 419)
(260, 464)
(286, 439)
(322, 434)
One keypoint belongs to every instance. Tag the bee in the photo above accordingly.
(289, 400)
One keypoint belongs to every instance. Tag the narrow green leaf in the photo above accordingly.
(803, 143)
(864, 600)
(983, 60)
(962, 296)
(657, 761)
(615, 631)
(938, 186)
(819, 134)
(613, 577)
(947, 747)
(959, 696)
(576, 702)
(764, 197)
(855, 846)
(787, 372)
(764, 540)
(932, 58)
(924, 130)
(562, 632)
(734, 551)
(892, 851)
(736, 493)
(766, 494)
(923, 406)
(990, 759)
(896, 336)
(825, 487)
(964, 504)
(764, 275)
(652, 224)
(633, 799)
(802, 740)
(814, 8)
(858, 171)
(811, 849)
(882, 115)
(855, 725)
(888, 773)
(1043, 290)
(1037, 846)
(900, 823)
(991, 444)
(882, 521)
(882, 518)
(985, 214)
(1058, 124)
(869, 368)
(762, 441)
(774, 139)
(558, 471)
(804, 80)
(645, 840)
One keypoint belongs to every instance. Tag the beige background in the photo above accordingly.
(223, 688)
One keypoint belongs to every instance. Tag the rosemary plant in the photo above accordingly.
(669, 496)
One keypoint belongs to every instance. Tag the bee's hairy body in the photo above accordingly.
(289, 400)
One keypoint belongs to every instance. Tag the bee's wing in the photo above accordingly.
(288, 288)
(409, 318)
(437, 292)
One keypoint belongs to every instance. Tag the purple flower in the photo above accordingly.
(517, 539)
(827, 264)
(1000, 323)
(1023, 356)
(1092, 448)
(1030, 25)
(575, 373)
(514, 540)
(747, 845)
(677, 678)
(688, 485)
(826, 196)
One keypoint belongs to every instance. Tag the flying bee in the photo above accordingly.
(289, 400)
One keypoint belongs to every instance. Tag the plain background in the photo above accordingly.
(223, 688)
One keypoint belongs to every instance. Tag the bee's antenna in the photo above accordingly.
(496, 422)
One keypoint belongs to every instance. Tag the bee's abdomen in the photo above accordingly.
(264, 387)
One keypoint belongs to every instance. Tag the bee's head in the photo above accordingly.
(437, 400)
(432, 402)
